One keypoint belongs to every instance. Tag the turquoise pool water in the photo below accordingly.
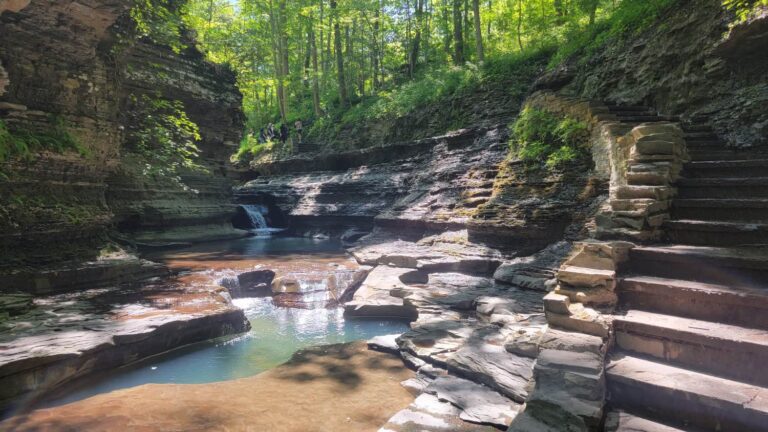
(275, 335)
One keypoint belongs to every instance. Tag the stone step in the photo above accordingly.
(729, 168)
(744, 187)
(716, 233)
(746, 267)
(701, 345)
(666, 392)
(696, 127)
(744, 210)
(746, 306)
(698, 135)
(696, 145)
(622, 421)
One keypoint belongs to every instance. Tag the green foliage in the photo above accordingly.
(630, 17)
(250, 149)
(23, 143)
(158, 21)
(540, 137)
(269, 46)
(744, 8)
(163, 135)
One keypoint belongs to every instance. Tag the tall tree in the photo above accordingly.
(478, 31)
(413, 56)
(343, 98)
(458, 37)
(315, 77)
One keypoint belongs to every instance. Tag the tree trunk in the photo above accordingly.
(448, 38)
(376, 48)
(413, 57)
(343, 99)
(478, 31)
(274, 21)
(458, 38)
(520, 24)
(315, 83)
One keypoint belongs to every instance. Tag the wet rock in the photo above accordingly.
(67, 336)
(385, 343)
(350, 236)
(14, 304)
(435, 183)
(318, 289)
(257, 283)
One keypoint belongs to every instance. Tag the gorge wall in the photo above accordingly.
(74, 298)
(460, 181)
(63, 72)
(694, 64)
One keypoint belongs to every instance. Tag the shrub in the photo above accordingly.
(22, 143)
(539, 137)
(161, 133)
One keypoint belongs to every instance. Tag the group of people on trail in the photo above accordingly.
(270, 133)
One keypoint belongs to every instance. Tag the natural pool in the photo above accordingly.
(276, 332)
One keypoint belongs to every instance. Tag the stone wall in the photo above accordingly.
(58, 65)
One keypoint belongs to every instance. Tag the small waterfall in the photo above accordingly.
(256, 214)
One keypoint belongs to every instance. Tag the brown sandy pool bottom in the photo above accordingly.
(334, 388)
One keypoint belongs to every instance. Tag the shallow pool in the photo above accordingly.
(275, 335)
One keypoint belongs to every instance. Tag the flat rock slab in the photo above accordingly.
(66, 336)
(374, 297)
(334, 388)
(428, 414)
(451, 251)
(478, 404)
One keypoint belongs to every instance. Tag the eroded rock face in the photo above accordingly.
(430, 184)
(58, 65)
(691, 66)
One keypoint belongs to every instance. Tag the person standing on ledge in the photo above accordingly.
(283, 133)
(299, 127)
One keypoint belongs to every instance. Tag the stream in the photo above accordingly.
(276, 332)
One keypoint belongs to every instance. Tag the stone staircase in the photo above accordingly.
(691, 337)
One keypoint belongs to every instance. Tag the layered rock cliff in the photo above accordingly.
(68, 76)
(63, 71)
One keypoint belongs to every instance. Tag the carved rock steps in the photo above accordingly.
(747, 187)
(695, 344)
(702, 232)
(665, 391)
(622, 421)
(720, 303)
(724, 266)
(725, 209)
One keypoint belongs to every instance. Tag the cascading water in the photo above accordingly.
(256, 214)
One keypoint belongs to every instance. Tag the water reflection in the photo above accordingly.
(276, 332)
